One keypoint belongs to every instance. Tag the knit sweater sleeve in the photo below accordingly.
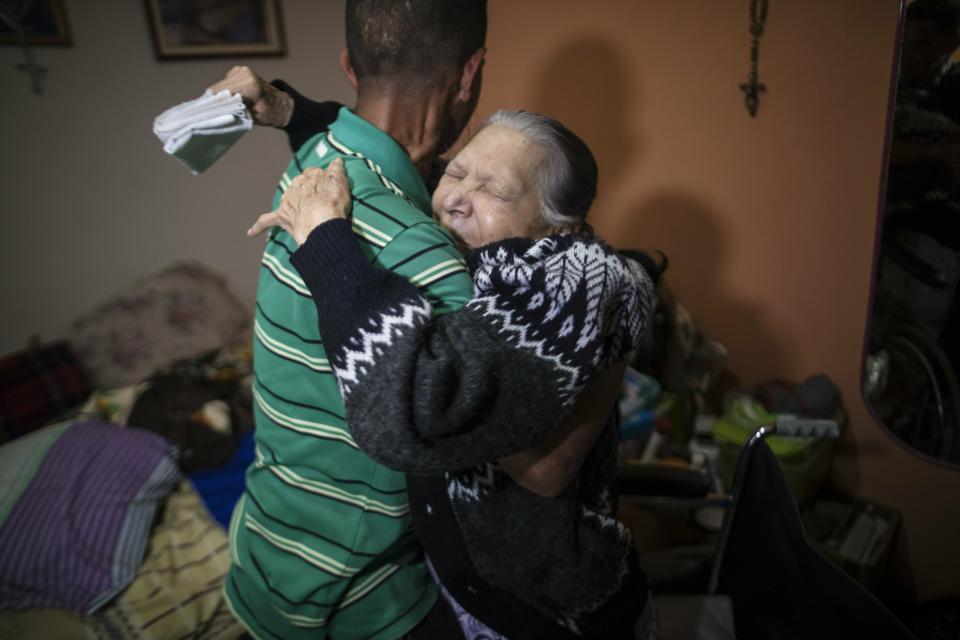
(427, 393)
(308, 117)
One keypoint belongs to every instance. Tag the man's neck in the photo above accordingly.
(415, 123)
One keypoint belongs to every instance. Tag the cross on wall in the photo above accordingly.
(12, 14)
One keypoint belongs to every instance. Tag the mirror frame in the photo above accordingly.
(878, 232)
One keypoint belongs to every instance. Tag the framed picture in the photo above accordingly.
(43, 22)
(215, 28)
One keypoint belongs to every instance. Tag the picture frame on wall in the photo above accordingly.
(44, 23)
(183, 29)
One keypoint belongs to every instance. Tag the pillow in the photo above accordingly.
(74, 537)
(181, 312)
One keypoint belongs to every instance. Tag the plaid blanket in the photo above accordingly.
(37, 385)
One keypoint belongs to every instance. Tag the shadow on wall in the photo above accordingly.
(586, 86)
(687, 230)
(583, 85)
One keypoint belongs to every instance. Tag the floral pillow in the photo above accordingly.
(181, 312)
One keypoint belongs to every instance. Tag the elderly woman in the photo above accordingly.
(456, 401)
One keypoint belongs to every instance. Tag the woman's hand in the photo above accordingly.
(314, 197)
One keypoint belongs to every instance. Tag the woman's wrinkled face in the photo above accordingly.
(489, 191)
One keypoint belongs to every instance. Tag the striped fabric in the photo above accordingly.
(19, 462)
(322, 540)
(76, 535)
(178, 591)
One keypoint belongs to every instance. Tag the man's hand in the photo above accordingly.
(269, 106)
(314, 197)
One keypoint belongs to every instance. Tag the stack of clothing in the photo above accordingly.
(198, 132)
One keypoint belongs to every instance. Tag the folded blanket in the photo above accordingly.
(199, 131)
(74, 526)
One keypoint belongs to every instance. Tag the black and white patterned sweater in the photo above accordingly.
(442, 398)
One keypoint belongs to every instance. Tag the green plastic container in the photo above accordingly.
(805, 461)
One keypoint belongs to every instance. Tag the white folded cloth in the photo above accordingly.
(199, 131)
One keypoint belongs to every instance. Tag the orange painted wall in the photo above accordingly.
(769, 222)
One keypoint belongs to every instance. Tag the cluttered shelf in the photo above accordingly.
(685, 418)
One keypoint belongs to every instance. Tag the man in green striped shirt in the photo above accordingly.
(321, 541)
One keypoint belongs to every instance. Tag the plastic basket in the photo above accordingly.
(805, 461)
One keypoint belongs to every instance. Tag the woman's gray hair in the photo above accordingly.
(567, 180)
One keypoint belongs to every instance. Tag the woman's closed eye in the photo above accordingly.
(498, 194)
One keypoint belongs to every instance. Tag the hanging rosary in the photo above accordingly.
(752, 88)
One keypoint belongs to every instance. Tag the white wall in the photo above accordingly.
(90, 203)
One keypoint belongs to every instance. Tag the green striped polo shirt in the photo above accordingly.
(322, 540)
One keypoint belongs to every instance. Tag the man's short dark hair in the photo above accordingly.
(416, 41)
(944, 13)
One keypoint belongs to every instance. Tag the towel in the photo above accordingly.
(199, 131)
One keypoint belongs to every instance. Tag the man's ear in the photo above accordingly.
(347, 67)
(469, 73)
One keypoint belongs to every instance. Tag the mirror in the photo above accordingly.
(910, 376)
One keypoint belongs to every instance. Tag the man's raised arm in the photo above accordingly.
(276, 104)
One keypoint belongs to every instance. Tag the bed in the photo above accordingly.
(124, 450)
